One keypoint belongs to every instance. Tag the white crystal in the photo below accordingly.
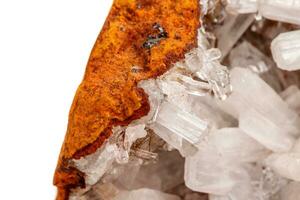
(182, 123)
(145, 194)
(207, 173)
(233, 28)
(242, 6)
(291, 191)
(133, 133)
(242, 191)
(265, 131)
(285, 164)
(215, 168)
(291, 96)
(286, 49)
(96, 164)
(234, 145)
(281, 10)
(175, 140)
(251, 92)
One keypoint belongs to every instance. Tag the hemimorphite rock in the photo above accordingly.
(280, 10)
(286, 49)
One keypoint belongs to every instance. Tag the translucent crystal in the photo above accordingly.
(242, 191)
(95, 165)
(233, 144)
(233, 28)
(281, 10)
(248, 56)
(251, 92)
(145, 193)
(285, 164)
(216, 167)
(162, 175)
(175, 140)
(265, 131)
(291, 191)
(206, 172)
(242, 6)
(286, 49)
(182, 123)
(291, 96)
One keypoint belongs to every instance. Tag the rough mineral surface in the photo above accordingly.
(140, 40)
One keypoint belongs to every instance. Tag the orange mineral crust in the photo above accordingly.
(140, 39)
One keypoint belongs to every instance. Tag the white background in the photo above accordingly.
(44, 48)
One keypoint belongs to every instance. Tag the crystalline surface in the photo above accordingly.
(265, 131)
(228, 34)
(146, 194)
(95, 165)
(285, 164)
(247, 87)
(242, 6)
(208, 170)
(281, 10)
(186, 125)
(286, 49)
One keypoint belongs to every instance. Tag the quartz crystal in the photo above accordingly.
(242, 6)
(286, 49)
(281, 10)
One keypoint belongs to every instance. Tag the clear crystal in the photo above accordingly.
(182, 123)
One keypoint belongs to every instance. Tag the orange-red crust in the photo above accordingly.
(108, 94)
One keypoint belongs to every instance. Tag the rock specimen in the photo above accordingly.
(139, 40)
(171, 110)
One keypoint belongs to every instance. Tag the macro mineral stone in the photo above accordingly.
(151, 34)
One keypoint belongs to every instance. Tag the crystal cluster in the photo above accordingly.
(214, 132)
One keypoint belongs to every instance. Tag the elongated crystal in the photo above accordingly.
(285, 164)
(281, 10)
(250, 91)
(265, 131)
(242, 6)
(182, 123)
(286, 49)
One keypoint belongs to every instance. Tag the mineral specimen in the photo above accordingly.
(169, 110)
